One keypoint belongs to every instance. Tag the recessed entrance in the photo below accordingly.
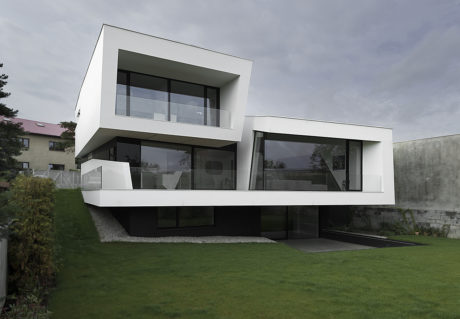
(289, 222)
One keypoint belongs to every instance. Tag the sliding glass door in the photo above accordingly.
(152, 97)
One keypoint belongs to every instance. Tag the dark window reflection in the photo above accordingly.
(165, 166)
(212, 117)
(195, 216)
(257, 169)
(148, 97)
(187, 102)
(122, 93)
(166, 217)
(214, 169)
(305, 163)
(354, 163)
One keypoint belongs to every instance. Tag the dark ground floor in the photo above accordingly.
(274, 222)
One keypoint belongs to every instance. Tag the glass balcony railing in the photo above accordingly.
(172, 112)
(151, 178)
(92, 180)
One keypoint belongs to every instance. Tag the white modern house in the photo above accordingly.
(166, 146)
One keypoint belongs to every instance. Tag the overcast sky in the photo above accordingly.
(385, 63)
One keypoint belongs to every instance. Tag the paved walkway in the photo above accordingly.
(316, 245)
(110, 230)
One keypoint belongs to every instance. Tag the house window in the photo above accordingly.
(147, 96)
(25, 142)
(213, 168)
(56, 146)
(23, 165)
(181, 217)
(165, 166)
(305, 163)
(56, 167)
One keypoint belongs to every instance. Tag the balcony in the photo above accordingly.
(171, 112)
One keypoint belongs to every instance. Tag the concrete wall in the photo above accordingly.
(39, 156)
(427, 218)
(427, 173)
(427, 181)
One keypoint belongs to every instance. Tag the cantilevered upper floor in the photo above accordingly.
(144, 87)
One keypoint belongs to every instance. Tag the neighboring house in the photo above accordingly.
(43, 148)
(166, 146)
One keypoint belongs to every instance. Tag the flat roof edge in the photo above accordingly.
(320, 121)
(183, 43)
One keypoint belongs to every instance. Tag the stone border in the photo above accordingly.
(110, 230)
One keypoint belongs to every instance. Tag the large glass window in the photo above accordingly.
(160, 165)
(187, 103)
(354, 164)
(213, 168)
(257, 169)
(157, 98)
(165, 166)
(129, 151)
(166, 217)
(122, 103)
(148, 97)
(305, 163)
(212, 104)
(196, 216)
(171, 217)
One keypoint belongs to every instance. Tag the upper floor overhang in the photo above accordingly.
(121, 49)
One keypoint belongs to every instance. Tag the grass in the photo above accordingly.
(128, 280)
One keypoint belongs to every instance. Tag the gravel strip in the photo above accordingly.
(110, 230)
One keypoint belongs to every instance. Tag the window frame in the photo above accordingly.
(347, 178)
(54, 164)
(205, 94)
(177, 217)
(52, 146)
(21, 165)
(22, 140)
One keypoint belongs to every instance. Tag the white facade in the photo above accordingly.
(122, 49)
(98, 123)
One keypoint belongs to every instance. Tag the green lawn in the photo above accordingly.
(126, 280)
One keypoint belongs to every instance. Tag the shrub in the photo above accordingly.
(31, 245)
(27, 307)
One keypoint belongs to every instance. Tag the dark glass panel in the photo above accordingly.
(187, 102)
(130, 151)
(273, 222)
(148, 96)
(304, 163)
(214, 169)
(57, 167)
(257, 169)
(122, 93)
(355, 165)
(303, 222)
(166, 217)
(196, 216)
(165, 166)
(212, 105)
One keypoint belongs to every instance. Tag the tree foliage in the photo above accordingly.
(10, 146)
(69, 134)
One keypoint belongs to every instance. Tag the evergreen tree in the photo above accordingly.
(10, 145)
(69, 133)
